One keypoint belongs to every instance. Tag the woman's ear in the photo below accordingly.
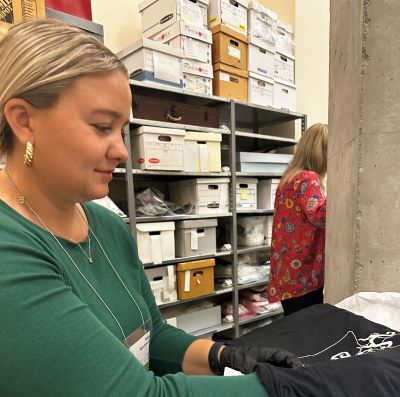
(18, 114)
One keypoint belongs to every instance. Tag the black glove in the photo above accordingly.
(245, 358)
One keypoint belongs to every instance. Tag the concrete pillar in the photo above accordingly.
(363, 229)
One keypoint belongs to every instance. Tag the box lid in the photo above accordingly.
(155, 226)
(152, 45)
(259, 43)
(148, 129)
(221, 28)
(246, 180)
(269, 181)
(260, 77)
(203, 136)
(284, 82)
(255, 157)
(230, 69)
(183, 266)
(285, 54)
(244, 3)
(198, 181)
(256, 6)
(192, 224)
(145, 3)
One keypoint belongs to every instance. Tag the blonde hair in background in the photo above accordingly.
(311, 154)
(41, 58)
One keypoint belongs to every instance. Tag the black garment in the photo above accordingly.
(295, 304)
(344, 355)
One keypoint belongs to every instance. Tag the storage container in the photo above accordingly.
(197, 320)
(261, 90)
(202, 152)
(284, 38)
(261, 60)
(149, 60)
(268, 229)
(284, 67)
(246, 193)
(273, 163)
(266, 193)
(230, 82)
(229, 13)
(284, 95)
(207, 195)
(197, 84)
(195, 278)
(262, 24)
(163, 283)
(158, 148)
(197, 237)
(229, 47)
(194, 41)
(156, 241)
(159, 14)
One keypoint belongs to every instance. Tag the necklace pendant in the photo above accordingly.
(90, 259)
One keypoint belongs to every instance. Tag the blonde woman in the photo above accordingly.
(298, 232)
(76, 311)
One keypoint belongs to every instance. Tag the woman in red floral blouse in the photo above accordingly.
(298, 232)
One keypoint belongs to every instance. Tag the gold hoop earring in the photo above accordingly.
(28, 156)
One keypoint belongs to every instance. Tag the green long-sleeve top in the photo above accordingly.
(57, 338)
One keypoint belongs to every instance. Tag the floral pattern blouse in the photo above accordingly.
(298, 238)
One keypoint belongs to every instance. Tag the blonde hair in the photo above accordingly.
(311, 153)
(41, 58)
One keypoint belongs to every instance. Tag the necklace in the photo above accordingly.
(22, 201)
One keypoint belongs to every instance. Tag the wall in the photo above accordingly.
(284, 8)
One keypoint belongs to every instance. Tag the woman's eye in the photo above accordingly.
(102, 128)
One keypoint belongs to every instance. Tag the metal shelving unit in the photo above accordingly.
(241, 125)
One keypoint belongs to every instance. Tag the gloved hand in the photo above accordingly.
(245, 358)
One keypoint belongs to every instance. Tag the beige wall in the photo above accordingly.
(120, 19)
(312, 59)
(284, 8)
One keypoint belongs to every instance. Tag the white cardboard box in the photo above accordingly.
(159, 14)
(232, 14)
(260, 59)
(266, 193)
(260, 90)
(284, 38)
(156, 241)
(284, 67)
(152, 61)
(157, 148)
(284, 95)
(207, 195)
(246, 193)
(197, 68)
(163, 283)
(262, 24)
(197, 320)
(268, 228)
(197, 84)
(202, 152)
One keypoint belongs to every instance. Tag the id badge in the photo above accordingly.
(138, 343)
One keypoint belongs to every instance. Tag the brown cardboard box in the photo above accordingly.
(16, 11)
(195, 278)
(230, 82)
(229, 47)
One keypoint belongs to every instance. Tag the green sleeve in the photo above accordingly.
(53, 345)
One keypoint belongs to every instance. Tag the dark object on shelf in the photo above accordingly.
(173, 111)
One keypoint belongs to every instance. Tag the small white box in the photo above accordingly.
(260, 59)
(149, 60)
(262, 24)
(156, 241)
(194, 41)
(260, 90)
(197, 84)
(206, 195)
(284, 67)
(197, 320)
(202, 152)
(197, 68)
(159, 14)
(266, 193)
(230, 13)
(197, 237)
(284, 95)
(157, 148)
(246, 193)
(284, 38)
(163, 283)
